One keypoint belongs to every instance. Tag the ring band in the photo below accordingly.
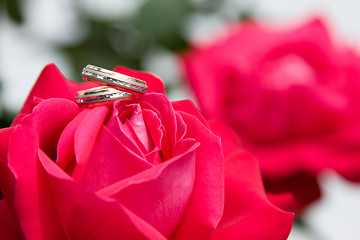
(100, 95)
(114, 79)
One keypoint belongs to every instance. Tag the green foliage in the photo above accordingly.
(163, 21)
(13, 9)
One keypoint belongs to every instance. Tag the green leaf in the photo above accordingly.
(162, 20)
(13, 9)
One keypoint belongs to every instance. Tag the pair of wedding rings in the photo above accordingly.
(116, 86)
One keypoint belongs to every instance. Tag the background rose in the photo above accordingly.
(132, 169)
(290, 95)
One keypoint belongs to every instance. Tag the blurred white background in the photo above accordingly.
(26, 49)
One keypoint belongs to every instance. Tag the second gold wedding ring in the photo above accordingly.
(97, 95)
(114, 79)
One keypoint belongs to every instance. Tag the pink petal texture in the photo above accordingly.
(291, 99)
(109, 163)
(163, 189)
(8, 226)
(159, 104)
(189, 107)
(5, 175)
(85, 215)
(65, 147)
(33, 203)
(117, 128)
(247, 216)
(84, 140)
(284, 201)
(205, 207)
(52, 84)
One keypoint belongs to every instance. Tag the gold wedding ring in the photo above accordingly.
(117, 86)
(100, 95)
(116, 80)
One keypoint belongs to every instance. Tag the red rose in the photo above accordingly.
(135, 169)
(290, 95)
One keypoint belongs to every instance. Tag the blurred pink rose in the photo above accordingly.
(135, 169)
(291, 95)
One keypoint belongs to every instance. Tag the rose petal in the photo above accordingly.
(17, 119)
(230, 141)
(161, 105)
(115, 125)
(284, 201)
(109, 162)
(206, 204)
(138, 125)
(6, 177)
(196, 65)
(9, 228)
(248, 214)
(154, 127)
(291, 157)
(135, 128)
(84, 140)
(65, 146)
(188, 106)
(80, 211)
(32, 202)
(244, 213)
(50, 118)
(165, 189)
(302, 185)
(52, 84)
(181, 127)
